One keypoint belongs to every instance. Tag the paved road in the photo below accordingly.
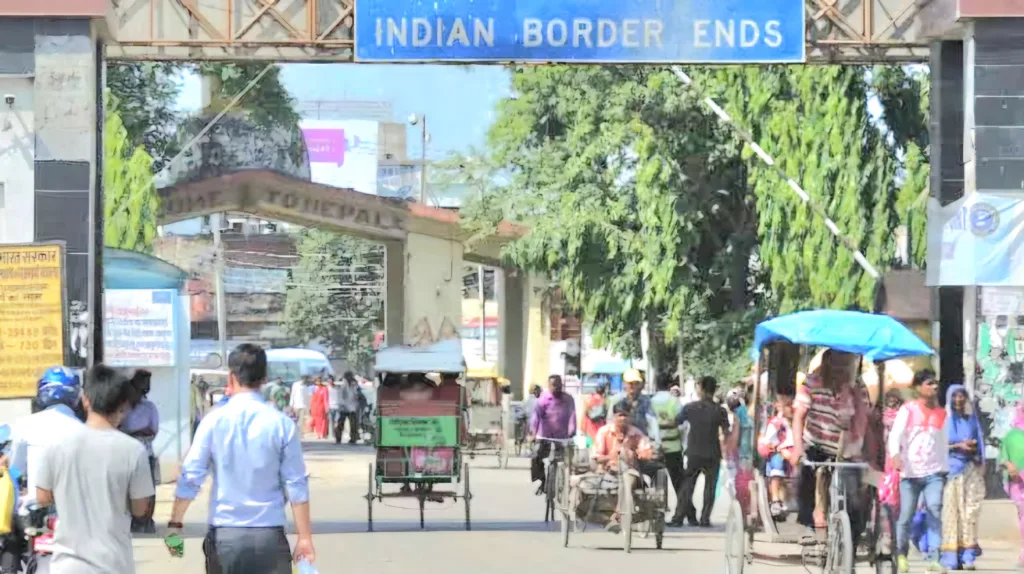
(508, 536)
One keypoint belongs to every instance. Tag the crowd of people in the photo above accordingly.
(102, 433)
(931, 456)
(320, 405)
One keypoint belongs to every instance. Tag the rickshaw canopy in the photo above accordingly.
(876, 337)
(441, 357)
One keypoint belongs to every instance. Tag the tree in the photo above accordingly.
(146, 92)
(813, 120)
(131, 203)
(335, 294)
(905, 96)
(635, 219)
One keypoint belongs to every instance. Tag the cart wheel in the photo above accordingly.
(659, 530)
(369, 501)
(422, 496)
(467, 495)
(884, 550)
(503, 453)
(626, 512)
(735, 540)
(839, 553)
(564, 504)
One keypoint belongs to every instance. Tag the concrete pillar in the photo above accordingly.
(512, 338)
(50, 158)
(538, 332)
(946, 139)
(50, 168)
(394, 292)
(433, 289)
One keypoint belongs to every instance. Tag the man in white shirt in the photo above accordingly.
(300, 399)
(58, 396)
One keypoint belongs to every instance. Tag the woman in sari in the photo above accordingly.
(965, 483)
(1011, 459)
(318, 409)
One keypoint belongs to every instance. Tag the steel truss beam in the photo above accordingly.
(848, 31)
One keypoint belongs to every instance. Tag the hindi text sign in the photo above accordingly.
(31, 315)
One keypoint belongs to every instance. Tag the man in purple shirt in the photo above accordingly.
(554, 417)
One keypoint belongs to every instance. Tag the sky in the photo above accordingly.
(458, 101)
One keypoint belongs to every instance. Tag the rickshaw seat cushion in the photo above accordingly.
(600, 482)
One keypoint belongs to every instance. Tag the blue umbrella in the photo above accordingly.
(876, 337)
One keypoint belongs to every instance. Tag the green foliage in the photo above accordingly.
(905, 100)
(633, 217)
(335, 294)
(131, 203)
(813, 121)
(146, 93)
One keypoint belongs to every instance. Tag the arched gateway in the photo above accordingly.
(424, 248)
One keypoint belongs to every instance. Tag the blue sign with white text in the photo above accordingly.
(594, 31)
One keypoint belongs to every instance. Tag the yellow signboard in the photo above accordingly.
(31, 315)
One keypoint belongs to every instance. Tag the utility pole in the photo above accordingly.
(222, 311)
(482, 274)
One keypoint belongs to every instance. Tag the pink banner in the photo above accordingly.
(325, 145)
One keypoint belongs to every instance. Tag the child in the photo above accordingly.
(774, 445)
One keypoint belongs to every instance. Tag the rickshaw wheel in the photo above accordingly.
(839, 553)
(565, 504)
(421, 496)
(503, 452)
(735, 540)
(626, 512)
(659, 529)
(369, 501)
(467, 495)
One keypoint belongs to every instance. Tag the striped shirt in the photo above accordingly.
(828, 413)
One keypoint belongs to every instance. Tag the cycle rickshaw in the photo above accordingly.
(778, 344)
(421, 425)
(585, 497)
(489, 411)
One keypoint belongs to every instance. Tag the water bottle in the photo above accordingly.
(304, 567)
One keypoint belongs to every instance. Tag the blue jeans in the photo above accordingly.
(910, 493)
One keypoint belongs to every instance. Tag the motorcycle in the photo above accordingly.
(27, 548)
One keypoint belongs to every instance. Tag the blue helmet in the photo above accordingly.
(58, 385)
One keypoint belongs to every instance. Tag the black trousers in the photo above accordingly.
(537, 463)
(675, 467)
(247, 551)
(695, 466)
(807, 490)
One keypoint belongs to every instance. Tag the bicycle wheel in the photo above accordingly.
(735, 540)
(550, 484)
(626, 512)
(840, 551)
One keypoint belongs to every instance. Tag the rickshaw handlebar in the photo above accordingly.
(561, 441)
(834, 464)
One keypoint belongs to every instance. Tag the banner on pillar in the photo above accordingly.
(977, 240)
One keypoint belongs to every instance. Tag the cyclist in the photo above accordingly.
(829, 404)
(554, 417)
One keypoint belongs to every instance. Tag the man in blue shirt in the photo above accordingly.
(255, 453)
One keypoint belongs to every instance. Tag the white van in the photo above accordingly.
(290, 365)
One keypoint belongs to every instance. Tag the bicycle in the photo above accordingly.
(838, 552)
(561, 453)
